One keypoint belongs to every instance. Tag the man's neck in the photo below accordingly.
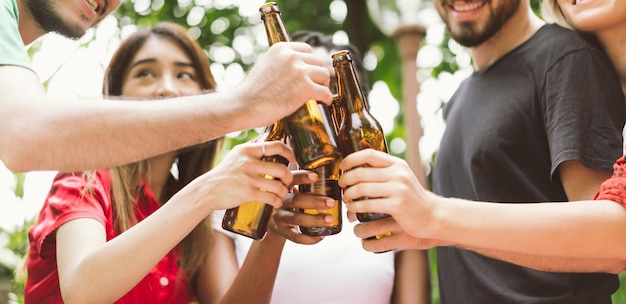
(522, 25)
(28, 27)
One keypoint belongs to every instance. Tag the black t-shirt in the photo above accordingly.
(508, 127)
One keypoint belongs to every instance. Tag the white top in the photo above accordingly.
(624, 140)
(335, 270)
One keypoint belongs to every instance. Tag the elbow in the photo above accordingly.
(71, 293)
(12, 160)
(75, 294)
(616, 266)
(612, 266)
(19, 148)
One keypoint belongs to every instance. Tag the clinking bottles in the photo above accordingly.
(251, 219)
(313, 138)
(359, 129)
(328, 183)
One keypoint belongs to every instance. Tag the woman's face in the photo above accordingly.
(593, 15)
(160, 69)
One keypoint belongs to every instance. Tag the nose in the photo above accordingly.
(166, 88)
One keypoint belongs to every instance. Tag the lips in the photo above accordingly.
(466, 6)
(93, 4)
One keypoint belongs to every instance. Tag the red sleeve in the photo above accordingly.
(70, 198)
(614, 188)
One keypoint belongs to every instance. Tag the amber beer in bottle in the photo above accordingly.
(252, 218)
(327, 185)
(359, 130)
(313, 139)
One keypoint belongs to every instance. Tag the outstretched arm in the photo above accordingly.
(94, 270)
(566, 236)
(69, 135)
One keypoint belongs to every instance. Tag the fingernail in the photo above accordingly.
(312, 176)
(328, 218)
(330, 202)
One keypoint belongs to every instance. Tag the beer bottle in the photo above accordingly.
(252, 218)
(359, 130)
(327, 185)
(313, 139)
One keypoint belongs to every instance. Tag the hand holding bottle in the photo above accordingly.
(389, 186)
(289, 217)
(286, 77)
(398, 240)
(239, 178)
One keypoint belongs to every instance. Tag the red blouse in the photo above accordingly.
(65, 202)
(614, 188)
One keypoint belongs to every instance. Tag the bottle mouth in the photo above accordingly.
(269, 7)
(341, 56)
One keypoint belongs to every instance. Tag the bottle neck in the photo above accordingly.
(348, 87)
(275, 28)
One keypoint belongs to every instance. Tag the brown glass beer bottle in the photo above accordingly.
(252, 218)
(313, 139)
(359, 130)
(327, 185)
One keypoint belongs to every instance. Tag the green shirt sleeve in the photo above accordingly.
(12, 49)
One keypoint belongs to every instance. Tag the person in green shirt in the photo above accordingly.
(37, 133)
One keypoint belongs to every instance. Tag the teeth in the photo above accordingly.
(462, 6)
(93, 4)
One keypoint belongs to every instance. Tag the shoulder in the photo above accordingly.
(83, 182)
(79, 195)
(12, 48)
(70, 198)
(9, 8)
(553, 42)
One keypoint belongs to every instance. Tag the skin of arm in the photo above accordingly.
(412, 277)
(578, 236)
(37, 133)
(219, 271)
(255, 280)
(92, 270)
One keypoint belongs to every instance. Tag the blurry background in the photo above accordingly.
(409, 88)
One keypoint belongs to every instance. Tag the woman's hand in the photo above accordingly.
(244, 177)
(285, 220)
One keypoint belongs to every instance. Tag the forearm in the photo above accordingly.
(255, 281)
(74, 135)
(555, 264)
(219, 270)
(412, 277)
(38, 134)
(576, 229)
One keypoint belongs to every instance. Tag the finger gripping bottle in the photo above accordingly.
(251, 219)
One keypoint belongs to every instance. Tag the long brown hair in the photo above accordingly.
(191, 162)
